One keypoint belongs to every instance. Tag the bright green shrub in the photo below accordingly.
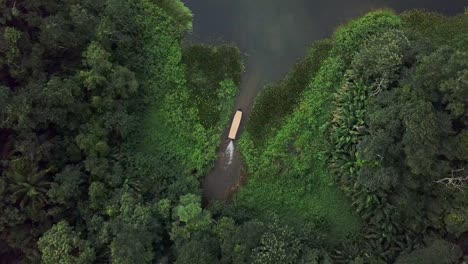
(62, 244)
(181, 14)
(349, 38)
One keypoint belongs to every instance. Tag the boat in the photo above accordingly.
(235, 125)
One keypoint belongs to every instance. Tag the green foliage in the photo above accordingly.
(76, 79)
(61, 244)
(107, 124)
(390, 140)
(280, 245)
(348, 39)
(207, 68)
(179, 12)
(381, 118)
(28, 186)
(295, 151)
(11, 36)
(190, 218)
(379, 61)
(200, 249)
(180, 124)
(440, 30)
(66, 187)
(277, 101)
(292, 162)
(226, 92)
(134, 230)
(437, 251)
(373, 70)
(456, 221)
(4, 94)
(189, 208)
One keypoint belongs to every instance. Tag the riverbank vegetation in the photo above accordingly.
(383, 121)
(108, 124)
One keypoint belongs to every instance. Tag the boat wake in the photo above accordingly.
(230, 152)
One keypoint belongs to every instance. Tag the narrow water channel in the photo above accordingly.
(273, 35)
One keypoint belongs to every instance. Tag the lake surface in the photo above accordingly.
(273, 35)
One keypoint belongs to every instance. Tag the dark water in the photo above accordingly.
(274, 34)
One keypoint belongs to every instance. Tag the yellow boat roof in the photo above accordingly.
(235, 125)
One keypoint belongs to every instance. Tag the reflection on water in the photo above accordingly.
(274, 34)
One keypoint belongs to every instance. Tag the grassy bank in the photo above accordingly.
(180, 134)
(289, 172)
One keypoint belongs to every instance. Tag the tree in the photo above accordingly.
(66, 187)
(12, 36)
(4, 94)
(350, 38)
(437, 251)
(61, 244)
(74, 77)
(189, 218)
(28, 184)
(135, 231)
(279, 244)
(237, 247)
(421, 140)
(379, 62)
(201, 248)
(179, 12)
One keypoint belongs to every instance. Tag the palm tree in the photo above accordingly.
(28, 185)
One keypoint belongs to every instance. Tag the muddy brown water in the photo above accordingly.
(273, 35)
